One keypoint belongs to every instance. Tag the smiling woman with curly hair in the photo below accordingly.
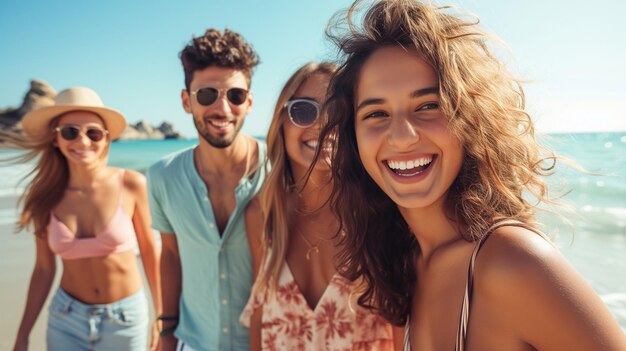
(434, 159)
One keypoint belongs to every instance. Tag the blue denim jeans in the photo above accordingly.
(121, 325)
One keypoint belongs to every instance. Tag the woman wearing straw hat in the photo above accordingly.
(92, 216)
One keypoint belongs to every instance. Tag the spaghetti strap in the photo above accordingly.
(465, 308)
(407, 345)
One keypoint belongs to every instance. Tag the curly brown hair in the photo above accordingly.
(503, 162)
(214, 48)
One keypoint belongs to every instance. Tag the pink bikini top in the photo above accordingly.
(117, 236)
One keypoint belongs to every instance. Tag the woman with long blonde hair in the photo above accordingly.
(300, 301)
(434, 172)
(93, 216)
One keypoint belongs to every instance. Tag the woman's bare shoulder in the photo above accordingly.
(514, 256)
(134, 180)
(533, 288)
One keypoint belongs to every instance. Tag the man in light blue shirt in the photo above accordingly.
(198, 197)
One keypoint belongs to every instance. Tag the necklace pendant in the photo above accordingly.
(314, 249)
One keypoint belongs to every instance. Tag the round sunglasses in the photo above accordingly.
(303, 112)
(70, 132)
(208, 95)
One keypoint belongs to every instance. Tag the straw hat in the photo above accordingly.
(36, 123)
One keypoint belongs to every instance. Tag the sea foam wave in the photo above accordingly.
(8, 216)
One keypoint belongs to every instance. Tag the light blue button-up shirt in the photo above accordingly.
(216, 270)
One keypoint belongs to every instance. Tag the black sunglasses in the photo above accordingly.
(69, 132)
(207, 96)
(302, 112)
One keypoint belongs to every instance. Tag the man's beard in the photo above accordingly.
(217, 142)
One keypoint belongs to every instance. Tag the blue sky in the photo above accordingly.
(573, 52)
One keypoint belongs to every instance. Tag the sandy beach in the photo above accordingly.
(17, 258)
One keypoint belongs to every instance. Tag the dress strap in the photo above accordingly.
(407, 344)
(464, 318)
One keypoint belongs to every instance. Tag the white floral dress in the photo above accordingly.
(335, 323)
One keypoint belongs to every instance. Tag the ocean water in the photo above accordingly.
(594, 241)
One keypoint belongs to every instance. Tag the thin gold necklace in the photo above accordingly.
(316, 248)
(312, 248)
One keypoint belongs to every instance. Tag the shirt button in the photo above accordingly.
(223, 275)
(206, 198)
(211, 225)
(225, 330)
(224, 302)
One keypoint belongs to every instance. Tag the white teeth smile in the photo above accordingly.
(403, 165)
(220, 124)
(81, 154)
(311, 143)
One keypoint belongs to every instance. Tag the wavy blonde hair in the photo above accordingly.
(484, 103)
(279, 182)
(50, 176)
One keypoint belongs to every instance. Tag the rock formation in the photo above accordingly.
(40, 94)
(168, 130)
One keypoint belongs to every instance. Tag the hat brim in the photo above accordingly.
(36, 123)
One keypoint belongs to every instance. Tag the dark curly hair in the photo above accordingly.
(484, 104)
(214, 48)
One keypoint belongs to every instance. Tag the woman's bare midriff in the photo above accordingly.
(102, 280)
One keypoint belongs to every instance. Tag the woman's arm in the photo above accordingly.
(398, 337)
(254, 231)
(150, 253)
(40, 282)
(540, 295)
(171, 282)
